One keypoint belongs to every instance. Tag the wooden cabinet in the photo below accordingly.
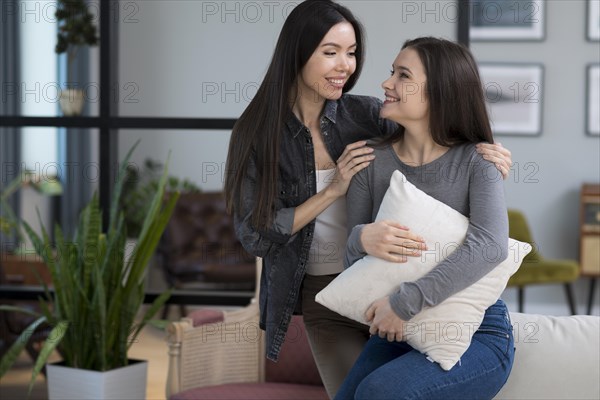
(23, 269)
(589, 237)
(589, 251)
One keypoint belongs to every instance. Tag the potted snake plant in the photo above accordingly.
(93, 311)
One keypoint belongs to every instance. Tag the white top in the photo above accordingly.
(328, 247)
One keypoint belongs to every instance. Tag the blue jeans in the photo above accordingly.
(394, 370)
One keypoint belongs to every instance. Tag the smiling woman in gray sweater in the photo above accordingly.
(435, 95)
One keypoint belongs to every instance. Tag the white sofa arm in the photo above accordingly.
(555, 358)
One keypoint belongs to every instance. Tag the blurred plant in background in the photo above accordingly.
(138, 188)
(75, 28)
(10, 223)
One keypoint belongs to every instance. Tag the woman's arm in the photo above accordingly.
(485, 246)
(290, 220)
(259, 242)
(356, 157)
(359, 208)
(388, 240)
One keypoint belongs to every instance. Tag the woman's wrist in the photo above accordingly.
(330, 194)
(361, 237)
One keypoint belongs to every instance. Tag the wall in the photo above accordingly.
(550, 169)
(205, 59)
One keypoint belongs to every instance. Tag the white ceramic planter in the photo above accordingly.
(122, 383)
(71, 101)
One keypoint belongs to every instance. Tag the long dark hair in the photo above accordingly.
(256, 134)
(457, 110)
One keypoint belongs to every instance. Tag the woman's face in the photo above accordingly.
(405, 90)
(332, 63)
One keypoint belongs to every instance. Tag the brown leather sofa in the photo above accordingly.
(199, 249)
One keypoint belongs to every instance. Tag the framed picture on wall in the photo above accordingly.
(593, 100)
(507, 20)
(593, 20)
(513, 93)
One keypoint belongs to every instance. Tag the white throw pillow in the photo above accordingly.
(442, 332)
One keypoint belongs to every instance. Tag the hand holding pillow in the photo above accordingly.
(442, 332)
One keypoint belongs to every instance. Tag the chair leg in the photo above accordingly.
(591, 295)
(520, 297)
(165, 312)
(569, 293)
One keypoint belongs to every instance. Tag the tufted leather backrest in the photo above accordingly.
(200, 241)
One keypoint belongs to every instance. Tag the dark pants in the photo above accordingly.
(336, 341)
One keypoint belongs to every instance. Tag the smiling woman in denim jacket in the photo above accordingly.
(291, 157)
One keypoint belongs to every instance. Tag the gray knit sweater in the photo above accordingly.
(462, 179)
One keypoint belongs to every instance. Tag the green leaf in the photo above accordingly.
(90, 247)
(12, 218)
(11, 355)
(54, 338)
(114, 207)
(156, 305)
(12, 187)
(46, 312)
(112, 265)
(150, 238)
(49, 187)
(160, 324)
(60, 277)
(157, 201)
(100, 308)
(19, 309)
(40, 247)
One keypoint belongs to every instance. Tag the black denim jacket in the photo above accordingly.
(347, 120)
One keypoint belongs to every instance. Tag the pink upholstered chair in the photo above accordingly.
(217, 354)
